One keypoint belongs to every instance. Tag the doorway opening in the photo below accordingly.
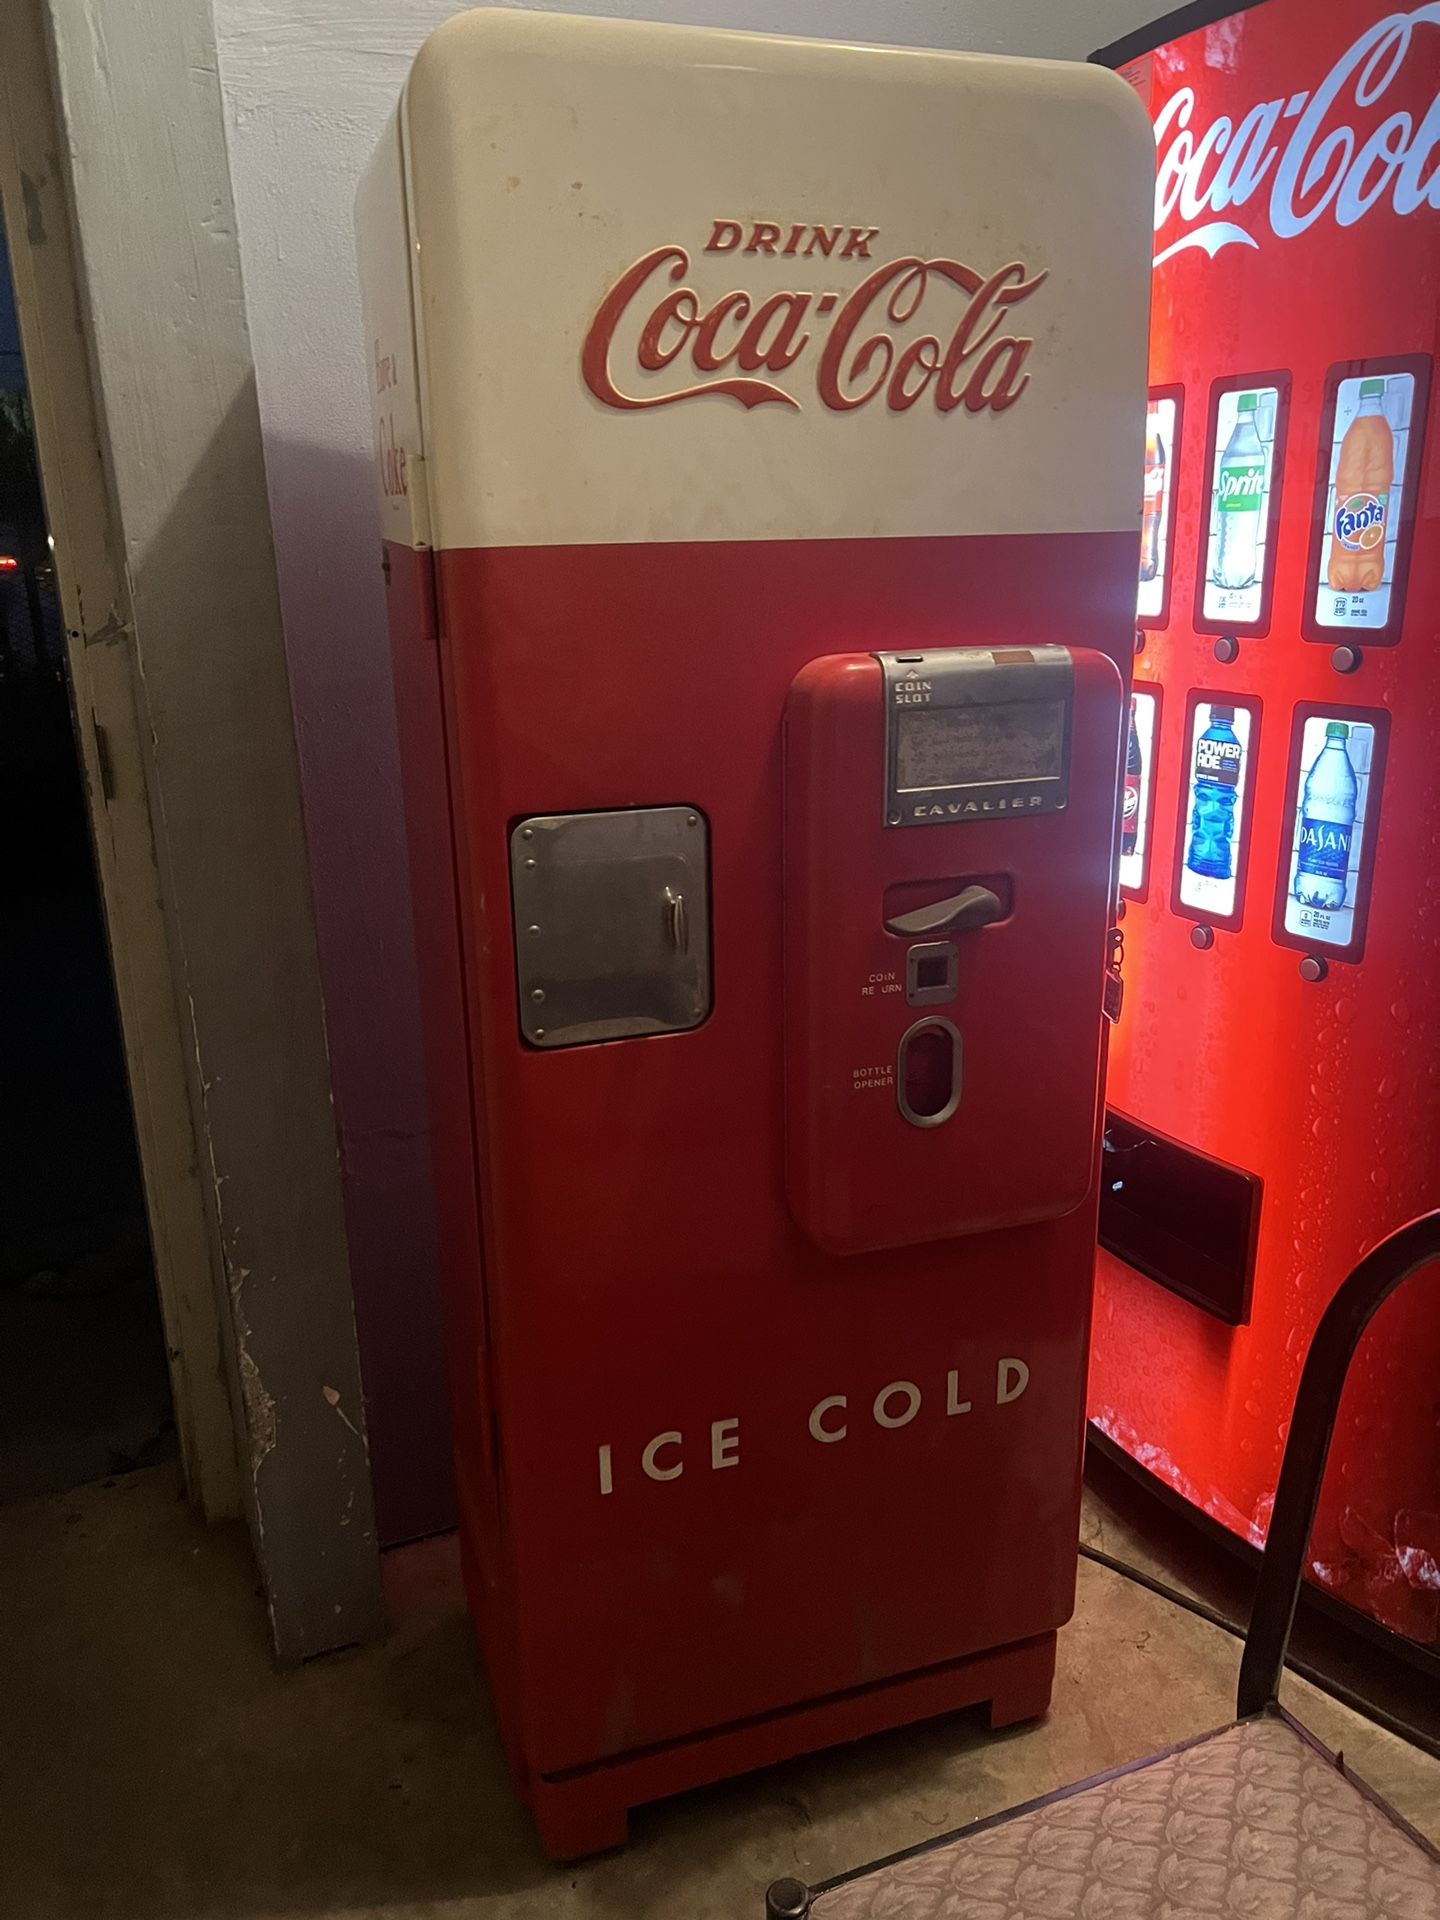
(84, 1379)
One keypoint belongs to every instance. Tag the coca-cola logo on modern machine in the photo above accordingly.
(1328, 152)
(909, 329)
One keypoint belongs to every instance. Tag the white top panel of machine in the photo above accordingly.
(675, 284)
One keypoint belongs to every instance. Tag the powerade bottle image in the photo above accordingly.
(1239, 495)
(1327, 821)
(1212, 794)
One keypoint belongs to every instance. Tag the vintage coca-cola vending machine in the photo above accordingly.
(758, 426)
(1274, 1081)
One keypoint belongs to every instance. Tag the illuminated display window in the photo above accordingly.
(1335, 766)
(1164, 419)
(1138, 791)
(1244, 461)
(1221, 739)
(943, 747)
(1363, 518)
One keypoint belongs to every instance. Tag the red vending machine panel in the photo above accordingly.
(948, 827)
(1274, 1083)
(765, 1124)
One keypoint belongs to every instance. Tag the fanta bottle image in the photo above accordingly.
(1361, 500)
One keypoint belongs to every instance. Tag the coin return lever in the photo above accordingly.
(974, 907)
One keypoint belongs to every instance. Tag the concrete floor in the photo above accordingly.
(153, 1765)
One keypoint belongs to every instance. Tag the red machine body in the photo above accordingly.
(869, 1000)
(1275, 1078)
(729, 1492)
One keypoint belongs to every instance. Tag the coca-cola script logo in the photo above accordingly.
(911, 329)
(1320, 165)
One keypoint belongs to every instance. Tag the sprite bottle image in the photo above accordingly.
(1213, 789)
(1239, 496)
(1327, 821)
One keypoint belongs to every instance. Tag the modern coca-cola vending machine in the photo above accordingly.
(758, 426)
(1274, 1081)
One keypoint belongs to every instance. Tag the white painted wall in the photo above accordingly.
(307, 86)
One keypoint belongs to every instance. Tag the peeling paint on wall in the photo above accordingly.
(261, 1420)
(332, 1399)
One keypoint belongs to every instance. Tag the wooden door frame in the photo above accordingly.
(133, 305)
(99, 643)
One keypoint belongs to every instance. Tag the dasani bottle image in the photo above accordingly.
(1327, 822)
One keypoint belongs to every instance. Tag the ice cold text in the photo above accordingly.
(828, 1423)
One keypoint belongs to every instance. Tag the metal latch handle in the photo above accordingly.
(974, 907)
(677, 920)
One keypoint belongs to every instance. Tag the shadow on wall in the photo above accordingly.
(343, 702)
(224, 719)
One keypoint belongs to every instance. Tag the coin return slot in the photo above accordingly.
(932, 973)
(928, 1080)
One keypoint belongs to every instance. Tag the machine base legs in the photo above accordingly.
(1024, 1694)
(576, 1818)
(586, 1811)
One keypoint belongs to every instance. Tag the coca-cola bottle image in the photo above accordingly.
(1130, 802)
(1153, 502)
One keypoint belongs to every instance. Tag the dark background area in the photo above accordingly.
(83, 1382)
